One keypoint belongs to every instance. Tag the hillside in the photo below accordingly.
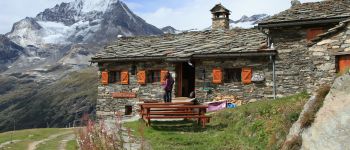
(58, 104)
(259, 125)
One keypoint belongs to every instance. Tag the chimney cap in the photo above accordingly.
(295, 2)
(219, 8)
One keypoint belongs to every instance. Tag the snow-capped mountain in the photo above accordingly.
(80, 21)
(170, 30)
(247, 22)
(70, 33)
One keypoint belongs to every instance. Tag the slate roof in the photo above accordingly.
(186, 45)
(330, 9)
(219, 8)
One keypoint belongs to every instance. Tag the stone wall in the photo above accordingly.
(108, 106)
(220, 23)
(299, 67)
(325, 53)
(206, 90)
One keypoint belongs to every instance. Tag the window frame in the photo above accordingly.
(237, 73)
(312, 33)
(116, 80)
(153, 76)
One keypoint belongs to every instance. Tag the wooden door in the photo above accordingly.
(344, 63)
(178, 80)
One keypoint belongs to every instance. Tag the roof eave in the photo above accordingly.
(302, 22)
(265, 52)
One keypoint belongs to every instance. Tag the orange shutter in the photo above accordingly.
(124, 77)
(141, 77)
(344, 63)
(217, 76)
(104, 77)
(313, 32)
(163, 74)
(247, 75)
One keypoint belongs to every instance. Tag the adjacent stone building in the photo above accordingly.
(300, 64)
(295, 50)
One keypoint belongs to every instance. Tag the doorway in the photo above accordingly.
(185, 79)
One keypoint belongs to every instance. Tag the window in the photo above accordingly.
(233, 75)
(343, 63)
(153, 76)
(313, 33)
(113, 76)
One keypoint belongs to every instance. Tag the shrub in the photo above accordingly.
(309, 116)
(96, 136)
(294, 144)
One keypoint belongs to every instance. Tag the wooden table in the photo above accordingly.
(175, 111)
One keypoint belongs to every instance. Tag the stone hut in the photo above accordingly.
(302, 63)
(211, 63)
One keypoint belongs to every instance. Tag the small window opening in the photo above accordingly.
(153, 76)
(232, 75)
(114, 76)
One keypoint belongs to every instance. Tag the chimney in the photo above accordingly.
(295, 2)
(221, 19)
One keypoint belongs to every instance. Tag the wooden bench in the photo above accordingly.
(172, 111)
(142, 111)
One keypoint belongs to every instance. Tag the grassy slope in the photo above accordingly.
(260, 125)
(31, 135)
(35, 105)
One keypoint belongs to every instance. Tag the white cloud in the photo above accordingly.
(195, 13)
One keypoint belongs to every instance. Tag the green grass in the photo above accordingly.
(259, 125)
(72, 145)
(28, 136)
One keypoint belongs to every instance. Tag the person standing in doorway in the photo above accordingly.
(168, 88)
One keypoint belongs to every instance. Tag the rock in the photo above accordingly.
(318, 48)
(318, 53)
(326, 66)
(347, 41)
(330, 129)
(328, 41)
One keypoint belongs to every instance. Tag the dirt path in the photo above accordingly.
(2, 145)
(63, 143)
(32, 145)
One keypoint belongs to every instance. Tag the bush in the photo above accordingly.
(309, 116)
(99, 137)
(294, 144)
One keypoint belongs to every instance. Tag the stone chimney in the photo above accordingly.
(295, 2)
(221, 19)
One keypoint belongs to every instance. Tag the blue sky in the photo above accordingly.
(181, 14)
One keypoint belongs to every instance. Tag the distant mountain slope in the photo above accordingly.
(9, 52)
(38, 105)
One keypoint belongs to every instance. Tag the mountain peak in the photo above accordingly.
(247, 22)
(170, 29)
(93, 5)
